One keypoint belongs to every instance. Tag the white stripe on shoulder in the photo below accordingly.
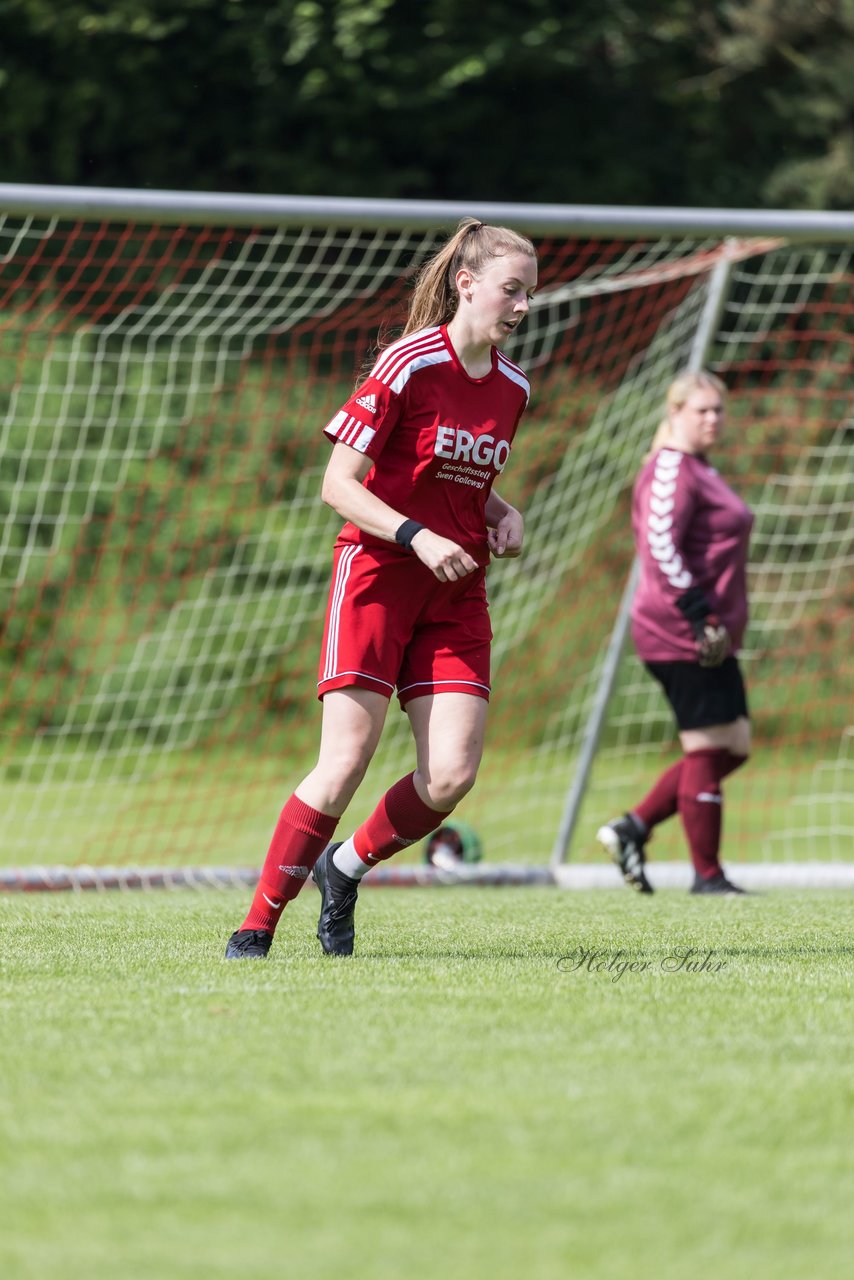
(442, 356)
(390, 360)
(514, 373)
(397, 365)
(398, 371)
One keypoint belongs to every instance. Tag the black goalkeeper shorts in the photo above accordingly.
(702, 696)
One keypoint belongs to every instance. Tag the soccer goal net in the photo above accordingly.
(166, 369)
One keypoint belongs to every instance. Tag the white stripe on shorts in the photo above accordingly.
(339, 587)
(434, 684)
(364, 675)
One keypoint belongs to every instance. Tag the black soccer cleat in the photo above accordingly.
(249, 944)
(335, 928)
(624, 843)
(715, 884)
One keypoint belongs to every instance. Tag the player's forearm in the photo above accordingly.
(345, 494)
(505, 527)
(365, 510)
(496, 509)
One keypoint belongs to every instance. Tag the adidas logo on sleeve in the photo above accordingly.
(368, 402)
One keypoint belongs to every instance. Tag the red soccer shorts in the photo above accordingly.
(390, 622)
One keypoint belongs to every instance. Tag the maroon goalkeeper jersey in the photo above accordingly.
(690, 530)
(437, 437)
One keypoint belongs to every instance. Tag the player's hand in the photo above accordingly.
(507, 536)
(444, 558)
(713, 646)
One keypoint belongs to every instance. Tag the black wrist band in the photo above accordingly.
(406, 533)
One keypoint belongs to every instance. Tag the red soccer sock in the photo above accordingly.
(701, 804)
(400, 818)
(301, 835)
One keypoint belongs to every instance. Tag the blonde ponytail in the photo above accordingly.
(473, 245)
(660, 439)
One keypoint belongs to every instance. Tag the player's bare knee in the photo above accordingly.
(352, 773)
(341, 776)
(448, 787)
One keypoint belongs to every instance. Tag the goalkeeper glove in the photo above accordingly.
(711, 636)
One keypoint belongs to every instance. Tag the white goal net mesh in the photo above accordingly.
(164, 555)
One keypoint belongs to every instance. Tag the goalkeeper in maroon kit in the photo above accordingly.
(416, 451)
(688, 619)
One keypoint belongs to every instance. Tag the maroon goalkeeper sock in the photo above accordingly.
(661, 802)
(301, 835)
(735, 762)
(701, 805)
(400, 818)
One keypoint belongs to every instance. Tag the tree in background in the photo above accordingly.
(646, 102)
(797, 57)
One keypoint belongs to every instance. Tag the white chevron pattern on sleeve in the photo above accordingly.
(659, 535)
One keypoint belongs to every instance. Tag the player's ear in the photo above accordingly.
(464, 281)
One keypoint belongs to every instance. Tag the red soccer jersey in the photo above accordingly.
(437, 437)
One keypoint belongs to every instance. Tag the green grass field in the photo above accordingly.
(455, 1101)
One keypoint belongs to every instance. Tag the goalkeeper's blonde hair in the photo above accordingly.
(678, 392)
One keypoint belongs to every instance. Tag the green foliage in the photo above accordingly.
(793, 59)
(643, 103)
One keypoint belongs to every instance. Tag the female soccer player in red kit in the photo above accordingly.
(417, 448)
(688, 620)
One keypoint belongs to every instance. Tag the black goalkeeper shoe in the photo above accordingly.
(715, 884)
(623, 841)
(335, 928)
(249, 944)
